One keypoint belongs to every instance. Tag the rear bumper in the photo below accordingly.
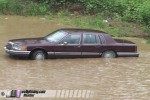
(14, 52)
(128, 54)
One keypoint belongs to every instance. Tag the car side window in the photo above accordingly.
(102, 39)
(91, 39)
(72, 39)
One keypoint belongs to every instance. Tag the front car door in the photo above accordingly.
(69, 46)
(90, 44)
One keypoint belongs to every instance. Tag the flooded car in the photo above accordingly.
(71, 43)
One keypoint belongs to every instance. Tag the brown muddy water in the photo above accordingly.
(110, 79)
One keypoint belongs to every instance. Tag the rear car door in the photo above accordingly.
(90, 44)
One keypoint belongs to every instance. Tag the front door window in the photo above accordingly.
(72, 39)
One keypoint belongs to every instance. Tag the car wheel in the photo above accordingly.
(109, 54)
(38, 55)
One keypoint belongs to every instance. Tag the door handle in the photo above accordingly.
(97, 46)
(77, 46)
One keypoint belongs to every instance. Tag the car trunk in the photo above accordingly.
(123, 41)
(132, 45)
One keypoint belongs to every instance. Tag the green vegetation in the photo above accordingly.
(125, 10)
(93, 22)
(19, 7)
(97, 22)
(148, 41)
(88, 13)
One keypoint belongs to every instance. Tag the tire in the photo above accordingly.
(38, 55)
(109, 54)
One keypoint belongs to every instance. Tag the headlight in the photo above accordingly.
(16, 47)
(19, 47)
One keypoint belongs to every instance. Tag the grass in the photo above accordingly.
(115, 28)
(148, 41)
(146, 29)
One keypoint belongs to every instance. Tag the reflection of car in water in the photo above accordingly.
(71, 43)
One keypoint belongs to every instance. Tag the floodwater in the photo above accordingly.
(110, 79)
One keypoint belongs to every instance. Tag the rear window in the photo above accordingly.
(103, 41)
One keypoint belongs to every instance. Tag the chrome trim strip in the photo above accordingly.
(50, 53)
(74, 53)
(129, 44)
(135, 54)
(14, 52)
(67, 53)
(91, 53)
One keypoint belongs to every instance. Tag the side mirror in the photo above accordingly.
(65, 43)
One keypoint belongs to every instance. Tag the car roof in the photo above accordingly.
(82, 30)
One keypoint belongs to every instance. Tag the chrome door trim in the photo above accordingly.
(74, 53)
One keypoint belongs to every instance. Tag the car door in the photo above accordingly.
(69, 46)
(90, 44)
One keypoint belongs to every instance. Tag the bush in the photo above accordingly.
(64, 13)
(126, 10)
(37, 9)
(3, 6)
(144, 11)
(20, 7)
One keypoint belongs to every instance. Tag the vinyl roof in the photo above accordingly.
(81, 30)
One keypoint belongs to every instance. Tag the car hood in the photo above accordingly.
(29, 41)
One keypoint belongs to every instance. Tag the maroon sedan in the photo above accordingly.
(71, 43)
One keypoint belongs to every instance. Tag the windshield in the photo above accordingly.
(56, 36)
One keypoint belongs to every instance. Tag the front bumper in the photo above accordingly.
(15, 52)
